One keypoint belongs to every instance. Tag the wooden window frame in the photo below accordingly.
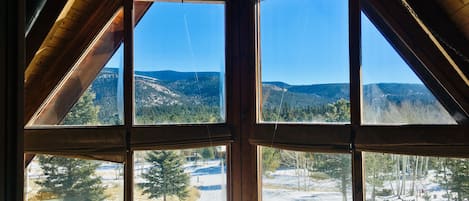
(242, 134)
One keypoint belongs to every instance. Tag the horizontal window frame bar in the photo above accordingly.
(305, 137)
(74, 139)
(169, 136)
(412, 135)
(459, 151)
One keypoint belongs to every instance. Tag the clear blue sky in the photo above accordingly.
(302, 42)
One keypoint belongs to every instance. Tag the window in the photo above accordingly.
(294, 175)
(273, 100)
(392, 94)
(179, 69)
(189, 174)
(392, 176)
(304, 61)
(94, 83)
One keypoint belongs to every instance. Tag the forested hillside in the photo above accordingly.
(188, 97)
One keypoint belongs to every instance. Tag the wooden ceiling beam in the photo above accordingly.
(423, 56)
(41, 27)
(445, 30)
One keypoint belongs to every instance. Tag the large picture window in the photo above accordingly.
(273, 100)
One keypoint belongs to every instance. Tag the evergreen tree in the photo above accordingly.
(71, 179)
(207, 153)
(270, 159)
(338, 111)
(376, 167)
(337, 165)
(166, 176)
(455, 177)
(74, 179)
(84, 112)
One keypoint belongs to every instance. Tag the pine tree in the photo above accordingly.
(337, 165)
(166, 176)
(84, 112)
(71, 179)
(74, 179)
(270, 159)
(454, 177)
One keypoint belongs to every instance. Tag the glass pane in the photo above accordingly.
(404, 177)
(293, 175)
(304, 61)
(392, 93)
(185, 174)
(102, 102)
(180, 64)
(55, 178)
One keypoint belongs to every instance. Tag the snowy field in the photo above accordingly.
(282, 185)
(208, 177)
(285, 185)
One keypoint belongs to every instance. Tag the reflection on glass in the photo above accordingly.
(304, 61)
(69, 179)
(392, 93)
(404, 177)
(179, 64)
(187, 174)
(292, 175)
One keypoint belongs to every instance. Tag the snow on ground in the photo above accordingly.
(282, 185)
(291, 195)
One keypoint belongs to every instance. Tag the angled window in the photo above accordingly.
(304, 61)
(96, 77)
(392, 93)
(180, 64)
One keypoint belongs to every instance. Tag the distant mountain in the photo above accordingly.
(165, 88)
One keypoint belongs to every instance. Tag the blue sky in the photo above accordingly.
(302, 42)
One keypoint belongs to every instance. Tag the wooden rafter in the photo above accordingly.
(424, 57)
(445, 30)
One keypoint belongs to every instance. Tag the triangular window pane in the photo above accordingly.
(392, 93)
(102, 102)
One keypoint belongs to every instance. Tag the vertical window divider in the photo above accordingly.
(355, 96)
(128, 96)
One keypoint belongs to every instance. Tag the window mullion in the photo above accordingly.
(128, 96)
(355, 95)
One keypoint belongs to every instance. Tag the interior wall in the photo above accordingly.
(11, 99)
